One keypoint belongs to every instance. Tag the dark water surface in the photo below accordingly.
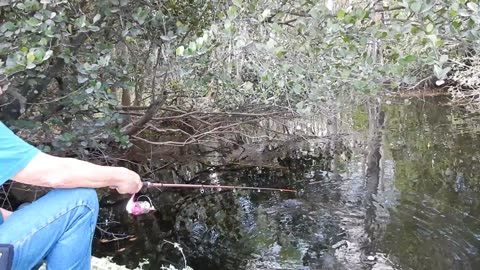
(406, 196)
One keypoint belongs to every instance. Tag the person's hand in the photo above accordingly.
(127, 181)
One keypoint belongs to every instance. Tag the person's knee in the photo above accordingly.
(89, 195)
(86, 195)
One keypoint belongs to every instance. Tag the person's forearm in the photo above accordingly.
(49, 171)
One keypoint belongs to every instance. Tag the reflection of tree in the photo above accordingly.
(373, 171)
(437, 171)
(221, 230)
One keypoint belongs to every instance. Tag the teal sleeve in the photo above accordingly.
(15, 153)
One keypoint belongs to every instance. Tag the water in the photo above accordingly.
(405, 197)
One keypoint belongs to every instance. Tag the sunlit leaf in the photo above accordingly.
(180, 50)
(416, 6)
(81, 22)
(441, 73)
(443, 59)
(47, 55)
(97, 18)
(81, 79)
(472, 6)
(31, 56)
(429, 28)
(33, 22)
(237, 3)
(232, 11)
(265, 13)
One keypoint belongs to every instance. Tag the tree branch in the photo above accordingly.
(135, 126)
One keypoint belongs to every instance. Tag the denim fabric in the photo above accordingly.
(57, 228)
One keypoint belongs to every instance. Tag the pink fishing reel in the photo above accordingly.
(137, 208)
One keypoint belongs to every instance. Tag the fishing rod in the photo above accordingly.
(203, 187)
(136, 207)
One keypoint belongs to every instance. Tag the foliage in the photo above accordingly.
(73, 63)
(70, 62)
(301, 54)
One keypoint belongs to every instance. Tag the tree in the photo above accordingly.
(88, 73)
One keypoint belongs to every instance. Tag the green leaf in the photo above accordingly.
(30, 56)
(199, 41)
(452, 13)
(444, 72)
(39, 53)
(97, 18)
(81, 22)
(340, 14)
(280, 52)
(20, 6)
(361, 14)
(232, 11)
(381, 35)
(7, 26)
(228, 26)
(81, 78)
(361, 85)
(300, 105)
(140, 15)
(180, 50)
(443, 59)
(408, 59)
(94, 28)
(32, 21)
(248, 86)
(414, 30)
(192, 47)
(429, 28)
(439, 43)
(472, 6)
(237, 3)
(416, 7)
(265, 14)
(440, 73)
(89, 90)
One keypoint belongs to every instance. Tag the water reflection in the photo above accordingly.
(436, 222)
(408, 198)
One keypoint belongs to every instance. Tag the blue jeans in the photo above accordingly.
(57, 228)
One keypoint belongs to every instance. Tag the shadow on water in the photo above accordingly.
(408, 198)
